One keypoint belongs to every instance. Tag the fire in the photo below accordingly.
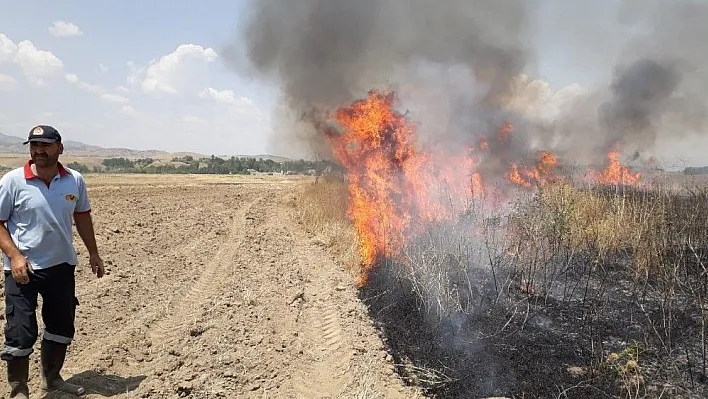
(615, 173)
(397, 190)
(377, 150)
(504, 132)
(541, 174)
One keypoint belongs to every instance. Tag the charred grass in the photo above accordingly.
(577, 291)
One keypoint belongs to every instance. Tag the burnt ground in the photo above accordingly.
(523, 344)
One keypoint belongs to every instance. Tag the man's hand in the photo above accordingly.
(96, 265)
(19, 267)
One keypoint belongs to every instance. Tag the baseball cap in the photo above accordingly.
(43, 133)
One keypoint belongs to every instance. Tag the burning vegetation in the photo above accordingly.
(397, 191)
(502, 239)
(481, 276)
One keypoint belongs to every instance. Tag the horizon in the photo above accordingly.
(65, 141)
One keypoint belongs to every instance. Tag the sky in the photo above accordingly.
(152, 74)
(135, 74)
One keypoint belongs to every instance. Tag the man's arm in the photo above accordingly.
(18, 263)
(84, 226)
(8, 246)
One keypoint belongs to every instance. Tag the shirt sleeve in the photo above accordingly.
(83, 205)
(6, 200)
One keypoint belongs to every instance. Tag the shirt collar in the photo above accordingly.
(30, 175)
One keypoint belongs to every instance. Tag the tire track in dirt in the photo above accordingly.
(321, 373)
(340, 359)
(331, 330)
(169, 329)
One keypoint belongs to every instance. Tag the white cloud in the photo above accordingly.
(97, 90)
(225, 96)
(122, 89)
(8, 83)
(71, 78)
(91, 88)
(129, 110)
(191, 119)
(64, 29)
(103, 68)
(114, 98)
(37, 65)
(173, 73)
(8, 48)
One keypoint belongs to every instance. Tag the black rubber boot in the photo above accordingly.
(17, 375)
(53, 355)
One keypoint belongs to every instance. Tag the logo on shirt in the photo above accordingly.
(70, 197)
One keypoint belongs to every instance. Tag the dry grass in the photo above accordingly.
(322, 208)
(653, 226)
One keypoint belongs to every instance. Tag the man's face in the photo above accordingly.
(45, 154)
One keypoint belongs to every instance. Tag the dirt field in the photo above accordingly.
(214, 290)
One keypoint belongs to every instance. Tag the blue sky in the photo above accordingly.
(150, 74)
(96, 86)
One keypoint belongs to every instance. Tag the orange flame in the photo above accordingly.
(396, 190)
(615, 173)
(377, 151)
(541, 174)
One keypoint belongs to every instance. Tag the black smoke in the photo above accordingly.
(324, 54)
(456, 65)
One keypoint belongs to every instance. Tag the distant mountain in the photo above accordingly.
(13, 145)
(6, 140)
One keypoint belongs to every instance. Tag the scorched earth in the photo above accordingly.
(213, 289)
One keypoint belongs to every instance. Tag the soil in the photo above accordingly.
(213, 289)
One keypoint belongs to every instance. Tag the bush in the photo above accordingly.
(79, 167)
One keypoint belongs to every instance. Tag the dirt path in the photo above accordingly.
(215, 291)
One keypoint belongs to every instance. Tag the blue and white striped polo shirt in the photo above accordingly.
(39, 214)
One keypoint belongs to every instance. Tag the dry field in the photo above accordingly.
(214, 289)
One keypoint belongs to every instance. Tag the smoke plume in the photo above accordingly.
(325, 53)
(656, 92)
(461, 69)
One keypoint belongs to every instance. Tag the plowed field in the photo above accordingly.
(213, 289)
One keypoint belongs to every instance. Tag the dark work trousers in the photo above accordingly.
(57, 286)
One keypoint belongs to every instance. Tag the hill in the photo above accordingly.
(13, 145)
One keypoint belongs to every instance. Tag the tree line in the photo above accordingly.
(207, 165)
(702, 170)
(233, 165)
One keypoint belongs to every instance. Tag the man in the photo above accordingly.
(38, 202)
